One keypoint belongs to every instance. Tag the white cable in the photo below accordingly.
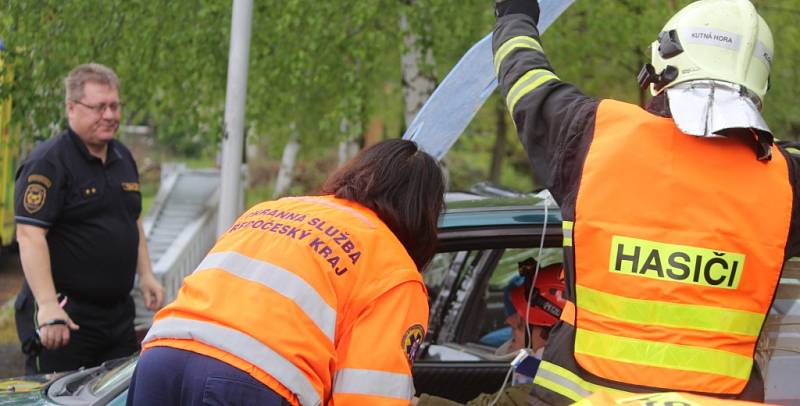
(528, 306)
(536, 271)
(503, 387)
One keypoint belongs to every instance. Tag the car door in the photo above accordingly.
(459, 358)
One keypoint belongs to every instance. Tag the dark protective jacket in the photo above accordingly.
(579, 144)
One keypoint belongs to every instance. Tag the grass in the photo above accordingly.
(8, 328)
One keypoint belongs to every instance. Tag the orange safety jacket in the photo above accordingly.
(657, 399)
(676, 267)
(313, 296)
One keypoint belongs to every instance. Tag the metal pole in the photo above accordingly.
(236, 93)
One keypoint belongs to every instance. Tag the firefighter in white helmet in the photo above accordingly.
(677, 217)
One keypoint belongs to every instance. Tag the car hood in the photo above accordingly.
(28, 390)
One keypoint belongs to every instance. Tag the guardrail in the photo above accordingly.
(192, 215)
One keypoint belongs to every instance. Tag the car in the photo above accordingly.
(480, 241)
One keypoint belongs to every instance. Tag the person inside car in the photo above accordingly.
(533, 301)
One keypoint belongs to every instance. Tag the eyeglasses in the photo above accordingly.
(101, 108)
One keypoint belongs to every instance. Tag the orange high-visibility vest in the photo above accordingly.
(657, 399)
(313, 296)
(679, 245)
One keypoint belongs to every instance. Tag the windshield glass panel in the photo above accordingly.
(117, 371)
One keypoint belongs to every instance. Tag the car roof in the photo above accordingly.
(499, 212)
(498, 222)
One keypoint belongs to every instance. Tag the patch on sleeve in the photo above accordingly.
(44, 180)
(130, 186)
(34, 198)
(412, 339)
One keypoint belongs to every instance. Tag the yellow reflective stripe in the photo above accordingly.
(524, 85)
(663, 355)
(561, 390)
(652, 312)
(584, 386)
(512, 44)
(566, 231)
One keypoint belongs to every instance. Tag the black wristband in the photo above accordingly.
(53, 323)
(527, 7)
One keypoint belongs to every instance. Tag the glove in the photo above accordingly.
(527, 7)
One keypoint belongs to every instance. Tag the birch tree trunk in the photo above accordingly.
(286, 171)
(348, 147)
(417, 85)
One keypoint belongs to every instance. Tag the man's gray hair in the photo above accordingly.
(89, 72)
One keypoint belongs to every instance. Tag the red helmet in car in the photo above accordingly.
(547, 299)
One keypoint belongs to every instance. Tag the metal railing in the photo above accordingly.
(180, 229)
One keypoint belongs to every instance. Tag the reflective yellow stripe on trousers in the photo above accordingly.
(373, 383)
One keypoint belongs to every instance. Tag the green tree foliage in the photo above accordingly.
(600, 46)
(316, 64)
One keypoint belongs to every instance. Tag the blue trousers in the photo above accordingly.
(169, 376)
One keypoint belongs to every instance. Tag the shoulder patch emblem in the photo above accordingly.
(412, 339)
(34, 198)
(44, 180)
(130, 186)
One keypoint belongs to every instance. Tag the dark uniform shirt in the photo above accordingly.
(90, 210)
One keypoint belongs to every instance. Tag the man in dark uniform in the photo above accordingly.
(77, 207)
(677, 218)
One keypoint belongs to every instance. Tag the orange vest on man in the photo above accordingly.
(672, 280)
(288, 294)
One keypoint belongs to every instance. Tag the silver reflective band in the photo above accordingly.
(705, 107)
(372, 382)
(278, 279)
(708, 36)
(563, 382)
(241, 345)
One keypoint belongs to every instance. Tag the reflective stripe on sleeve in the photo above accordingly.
(663, 355)
(512, 44)
(566, 230)
(566, 383)
(668, 314)
(374, 383)
(526, 84)
(278, 279)
(242, 346)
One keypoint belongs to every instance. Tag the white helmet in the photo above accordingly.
(724, 40)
